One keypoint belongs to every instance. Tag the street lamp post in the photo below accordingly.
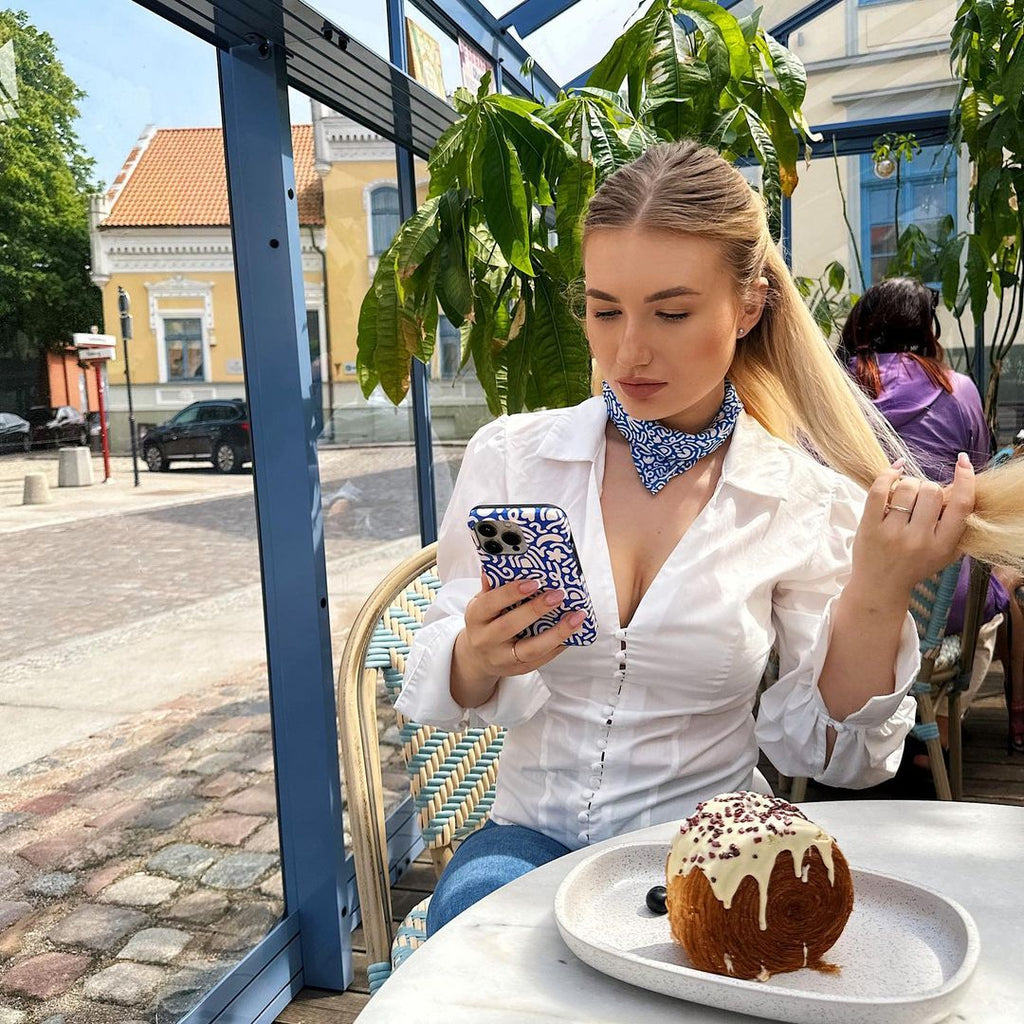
(124, 307)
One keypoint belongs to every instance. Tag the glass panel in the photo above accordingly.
(138, 816)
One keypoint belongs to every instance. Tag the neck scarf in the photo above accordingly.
(659, 452)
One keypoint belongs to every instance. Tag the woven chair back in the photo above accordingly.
(451, 774)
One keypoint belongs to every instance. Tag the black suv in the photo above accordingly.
(215, 430)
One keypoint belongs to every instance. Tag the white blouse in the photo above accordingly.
(640, 726)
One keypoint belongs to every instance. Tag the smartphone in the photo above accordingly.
(534, 542)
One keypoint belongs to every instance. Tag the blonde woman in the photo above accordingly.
(707, 533)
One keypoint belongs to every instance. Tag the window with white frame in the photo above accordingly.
(183, 346)
(384, 217)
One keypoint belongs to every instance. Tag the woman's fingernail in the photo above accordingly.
(963, 461)
(555, 597)
(576, 618)
(528, 586)
(899, 463)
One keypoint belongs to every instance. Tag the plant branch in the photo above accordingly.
(846, 215)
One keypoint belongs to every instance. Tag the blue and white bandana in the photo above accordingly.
(659, 452)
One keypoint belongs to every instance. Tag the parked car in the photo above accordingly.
(214, 430)
(15, 433)
(57, 424)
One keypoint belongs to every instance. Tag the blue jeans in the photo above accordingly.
(490, 857)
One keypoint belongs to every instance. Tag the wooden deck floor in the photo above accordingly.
(990, 776)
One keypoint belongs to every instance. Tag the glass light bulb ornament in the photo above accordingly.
(885, 167)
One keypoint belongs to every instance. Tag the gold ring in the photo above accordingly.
(899, 508)
(515, 656)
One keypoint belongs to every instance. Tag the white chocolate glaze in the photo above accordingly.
(740, 834)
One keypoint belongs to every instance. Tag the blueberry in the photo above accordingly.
(656, 899)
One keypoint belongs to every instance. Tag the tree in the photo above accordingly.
(45, 182)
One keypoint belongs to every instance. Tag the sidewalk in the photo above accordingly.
(182, 485)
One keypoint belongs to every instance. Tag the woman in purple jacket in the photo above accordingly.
(891, 345)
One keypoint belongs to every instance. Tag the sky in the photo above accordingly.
(138, 69)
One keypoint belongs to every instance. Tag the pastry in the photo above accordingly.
(755, 888)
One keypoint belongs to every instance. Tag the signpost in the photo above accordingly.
(96, 350)
(124, 307)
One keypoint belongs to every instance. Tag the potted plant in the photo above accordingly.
(497, 242)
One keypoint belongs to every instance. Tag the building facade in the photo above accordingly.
(162, 233)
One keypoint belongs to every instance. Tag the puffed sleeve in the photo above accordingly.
(426, 691)
(793, 717)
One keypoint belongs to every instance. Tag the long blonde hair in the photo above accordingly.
(784, 371)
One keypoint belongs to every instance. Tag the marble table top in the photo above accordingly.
(503, 960)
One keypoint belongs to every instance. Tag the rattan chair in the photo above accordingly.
(944, 674)
(451, 774)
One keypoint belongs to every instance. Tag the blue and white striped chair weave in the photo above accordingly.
(451, 773)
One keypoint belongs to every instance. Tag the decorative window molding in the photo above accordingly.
(179, 287)
(161, 343)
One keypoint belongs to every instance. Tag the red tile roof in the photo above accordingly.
(180, 181)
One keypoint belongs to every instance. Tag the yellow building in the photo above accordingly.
(162, 233)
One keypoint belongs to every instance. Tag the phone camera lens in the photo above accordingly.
(487, 530)
(511, 538)
(493, 546)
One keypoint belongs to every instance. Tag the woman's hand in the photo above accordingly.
(487, 648)
(910, 528)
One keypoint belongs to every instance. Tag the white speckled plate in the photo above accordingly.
(906, 953)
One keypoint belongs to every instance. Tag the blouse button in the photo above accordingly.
(587, 796)
(607, 710)
(595, 766)
(602, 743)
(620, 634)
(582, 837)
(620, 674)
(613, 699)
(582, 817)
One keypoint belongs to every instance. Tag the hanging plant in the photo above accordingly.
(498, 242)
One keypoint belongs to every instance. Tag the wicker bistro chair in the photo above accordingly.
(941, 672)
(451, 774)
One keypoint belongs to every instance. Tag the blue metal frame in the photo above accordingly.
(426, 491)
(531, 15)
(278, 377)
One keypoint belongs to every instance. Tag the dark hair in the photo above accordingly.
(895, 315)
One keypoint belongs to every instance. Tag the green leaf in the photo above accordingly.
(977, 276)
(513, 362)
(559, 358)
(770, 183)
(390, 354)
(789, 71)
(787, 147)
(366, 343)
(454, 284)
(836, 275)
(627, 53)
(448, 158)
(574, 189)
(504, 194)
(722, 34)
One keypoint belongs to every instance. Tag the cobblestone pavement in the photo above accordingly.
(137, 867)
(139, 862)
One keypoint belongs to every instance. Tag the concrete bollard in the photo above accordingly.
(75, 468)
(37, 490)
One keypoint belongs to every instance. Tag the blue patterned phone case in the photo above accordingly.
(534, 542)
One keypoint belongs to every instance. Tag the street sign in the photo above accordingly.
(95, 347)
